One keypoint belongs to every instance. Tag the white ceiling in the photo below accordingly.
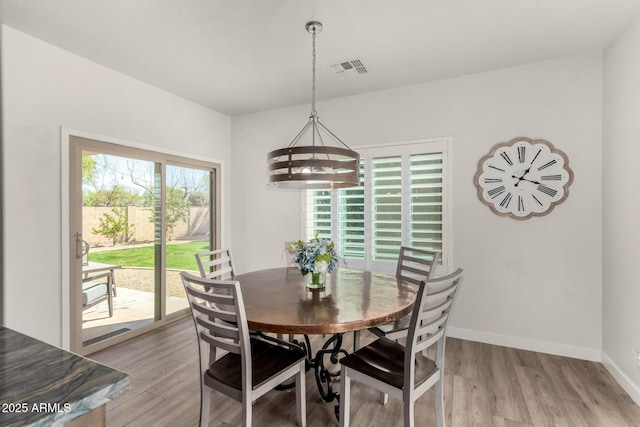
(239, 56)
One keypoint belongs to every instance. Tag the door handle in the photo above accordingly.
(79, 245)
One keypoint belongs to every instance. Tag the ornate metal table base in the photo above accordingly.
(331, 349)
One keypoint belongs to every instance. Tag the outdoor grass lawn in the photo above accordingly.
(180, 256)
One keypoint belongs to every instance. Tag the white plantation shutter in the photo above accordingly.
(426, 201)
(351, 220)
(386, 195)
(318, 213)
(402, 200)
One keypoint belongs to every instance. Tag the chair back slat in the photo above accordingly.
(216, 298)
(432, 326)
(416, 265)
(224, 259)
(222, 330)
(434, 310)
(225, 273)
(219, 316)
(427, 259)
(222, 344)
(214, 312)
(429, 341)
(437, 299)
(429, 318)
(440, 288)
(408, 268)
(216, 264)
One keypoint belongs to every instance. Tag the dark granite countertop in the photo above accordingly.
(42, 385)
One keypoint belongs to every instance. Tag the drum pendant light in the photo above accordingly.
(309, 161)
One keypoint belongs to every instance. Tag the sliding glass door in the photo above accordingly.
(188, 226)
(136, 218)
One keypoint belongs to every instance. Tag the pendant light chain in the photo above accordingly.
(313, 73)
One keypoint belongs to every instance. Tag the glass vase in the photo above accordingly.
(317, 280)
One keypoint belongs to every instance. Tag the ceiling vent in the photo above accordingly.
(351, 68)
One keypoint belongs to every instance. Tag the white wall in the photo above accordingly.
(621, 205)
(532, 284)
(46, 88)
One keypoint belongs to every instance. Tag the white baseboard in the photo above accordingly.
(584, 353)
(625, 382)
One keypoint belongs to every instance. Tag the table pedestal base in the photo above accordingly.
(331, 350)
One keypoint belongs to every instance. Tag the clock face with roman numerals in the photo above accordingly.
(523, 178)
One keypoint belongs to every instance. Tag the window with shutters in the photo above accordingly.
(318, 213)
(351, 220)
(402, 200)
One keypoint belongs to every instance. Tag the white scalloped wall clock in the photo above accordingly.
(523, 178)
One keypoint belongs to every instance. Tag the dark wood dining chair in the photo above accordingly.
(251, 367)
(403, 372)
(216, 264)
(414, 266)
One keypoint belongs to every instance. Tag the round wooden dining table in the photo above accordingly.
(278, 300)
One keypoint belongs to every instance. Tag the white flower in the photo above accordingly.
(322, 266)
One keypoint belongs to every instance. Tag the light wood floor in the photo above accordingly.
(485, 385)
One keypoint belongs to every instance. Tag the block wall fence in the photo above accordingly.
(196, 227)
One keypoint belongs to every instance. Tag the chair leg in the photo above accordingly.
(205, 401)
(113, 283)
(439, 404)
(247, 407)
(110, 302)
(384, 398)
(301, 398)
(281, 337)
(345, 397)
(408, 405)
(109, 296)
